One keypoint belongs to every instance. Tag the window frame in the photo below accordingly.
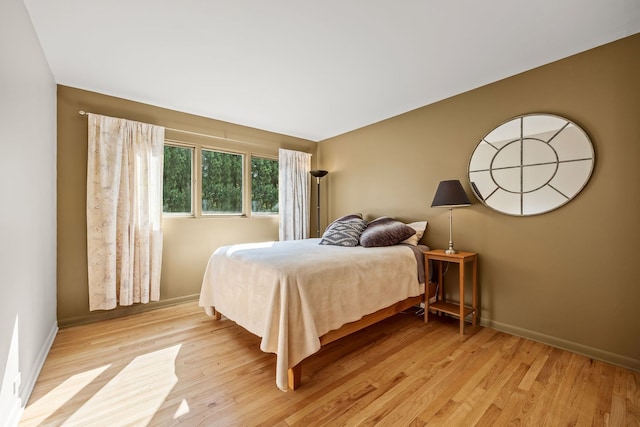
(196, 180)
(243, 208)
(192, 147)
(261, 214)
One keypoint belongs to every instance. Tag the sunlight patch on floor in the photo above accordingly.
(182, 409)
(135, 393)
(47, 405)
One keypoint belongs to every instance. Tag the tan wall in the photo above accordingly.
(569, 277)
(188, 242)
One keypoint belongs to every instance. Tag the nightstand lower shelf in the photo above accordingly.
(450, 308)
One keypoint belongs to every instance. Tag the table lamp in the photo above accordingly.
(450, 194)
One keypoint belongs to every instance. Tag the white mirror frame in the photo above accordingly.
(531, 164)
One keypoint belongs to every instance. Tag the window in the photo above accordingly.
(231, 183)
(264, 186)
(177, 180)
(222, 182)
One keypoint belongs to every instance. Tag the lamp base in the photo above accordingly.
(450, 251)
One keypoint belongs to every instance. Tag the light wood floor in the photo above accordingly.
(176, 366)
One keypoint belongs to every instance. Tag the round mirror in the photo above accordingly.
(531, 164)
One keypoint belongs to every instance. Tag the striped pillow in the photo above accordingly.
(344, 232)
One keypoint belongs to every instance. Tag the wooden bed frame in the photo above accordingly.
(295, 373)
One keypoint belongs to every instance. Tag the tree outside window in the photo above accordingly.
(222, 191)
(222, 180)
(177, 179)
(264, 186)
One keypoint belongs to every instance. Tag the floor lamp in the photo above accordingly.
(318, 174)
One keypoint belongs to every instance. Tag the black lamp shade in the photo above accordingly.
(450, 194)
(318, 173)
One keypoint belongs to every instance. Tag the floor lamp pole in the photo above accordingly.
(318, 174)
(318, 217)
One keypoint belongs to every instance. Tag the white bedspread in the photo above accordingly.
(291, 293)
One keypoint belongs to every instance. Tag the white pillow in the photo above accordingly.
(420, 227)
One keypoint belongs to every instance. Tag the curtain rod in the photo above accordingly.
(224, 138)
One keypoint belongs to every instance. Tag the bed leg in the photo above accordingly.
(295, 376)
(216, 314)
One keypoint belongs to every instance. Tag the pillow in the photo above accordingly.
(342, 218)
(385, 231)
(420, 227)
(344, 232)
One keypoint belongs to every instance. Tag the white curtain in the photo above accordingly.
(124, 212)
(294, 192)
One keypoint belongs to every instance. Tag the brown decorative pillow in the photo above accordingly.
(385, 231)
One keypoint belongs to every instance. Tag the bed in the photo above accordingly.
(299, 295)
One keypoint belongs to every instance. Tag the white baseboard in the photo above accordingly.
(30, 382)
(13, 418)
(14, 415)
(592, 352)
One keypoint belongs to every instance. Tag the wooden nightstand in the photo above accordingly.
(460, 310)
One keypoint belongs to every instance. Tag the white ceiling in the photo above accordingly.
(312, 69)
